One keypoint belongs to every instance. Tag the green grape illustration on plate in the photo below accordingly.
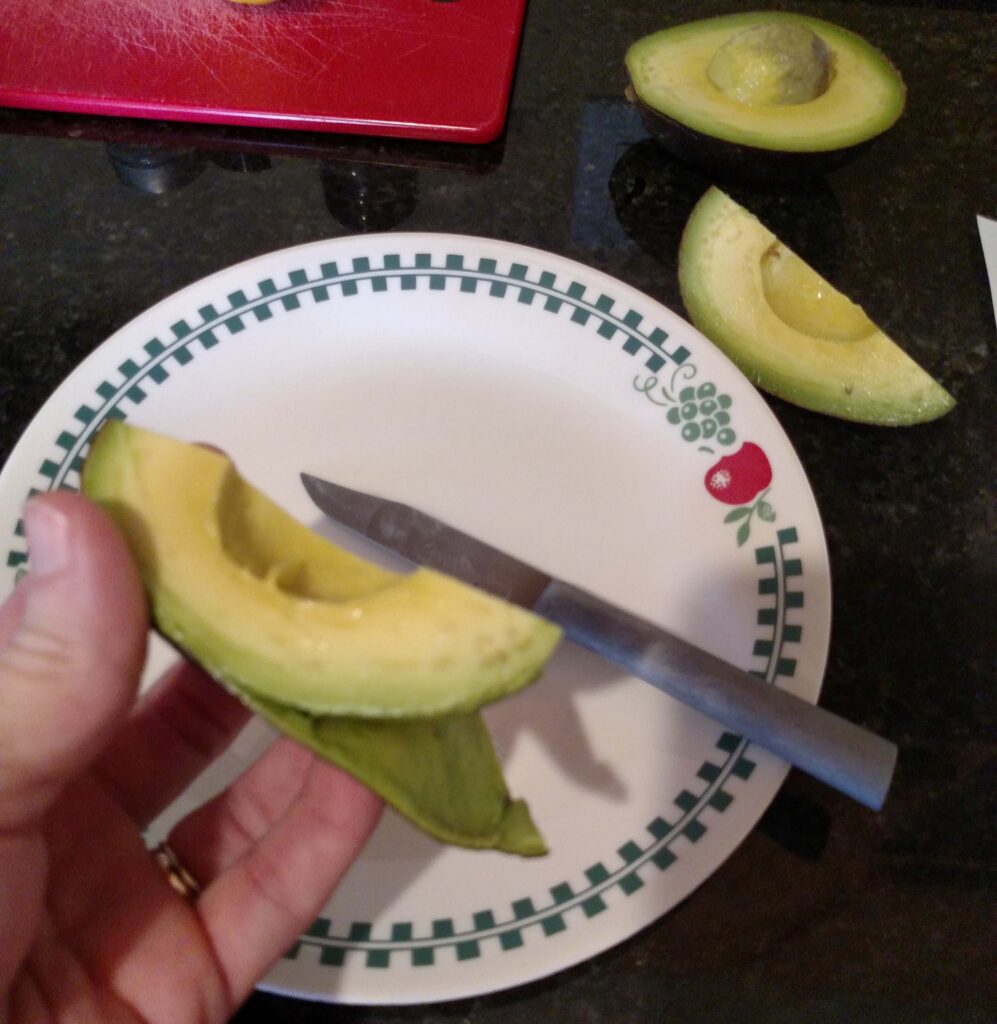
(703, 414)
(741, 478)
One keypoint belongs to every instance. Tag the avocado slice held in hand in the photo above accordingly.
(763, 94)
(372, 669)
(790, 331)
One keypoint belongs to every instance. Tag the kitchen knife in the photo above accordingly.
(843, 755)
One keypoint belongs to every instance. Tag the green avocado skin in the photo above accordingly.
(737, 162)
(440, 773)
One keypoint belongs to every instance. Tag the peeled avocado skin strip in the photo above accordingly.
(439, 769)
(440, 773)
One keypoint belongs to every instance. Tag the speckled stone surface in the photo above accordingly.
(828, 912)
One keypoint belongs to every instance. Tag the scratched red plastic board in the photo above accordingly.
(413, 68)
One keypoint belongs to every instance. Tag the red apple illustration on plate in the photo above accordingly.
(737, 478)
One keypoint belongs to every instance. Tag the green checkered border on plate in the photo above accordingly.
(662, 842)
(181, 342)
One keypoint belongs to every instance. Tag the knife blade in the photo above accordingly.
(846, 756)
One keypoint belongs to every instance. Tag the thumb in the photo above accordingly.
(72, 643)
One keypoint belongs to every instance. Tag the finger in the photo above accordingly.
(213, 837)
(256, 909)
(75, 633)
(280, 840)
(179, 727)
(11, 612)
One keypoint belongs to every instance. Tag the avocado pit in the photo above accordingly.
(772, 64)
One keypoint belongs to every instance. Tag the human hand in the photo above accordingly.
(90, 928)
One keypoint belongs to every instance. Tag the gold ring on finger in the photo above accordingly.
(181, 880)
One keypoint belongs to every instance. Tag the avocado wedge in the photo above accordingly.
(264, 603)
(763, 94)
(382, 673)
(790, 331)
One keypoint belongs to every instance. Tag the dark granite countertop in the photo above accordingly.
(828, 912)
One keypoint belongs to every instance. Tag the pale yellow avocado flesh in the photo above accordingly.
(263, 602)
(860, 95)
(789, 330)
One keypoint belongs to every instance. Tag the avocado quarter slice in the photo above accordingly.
(381, 672)
(268, 605)
(749, 95)
(789, 330)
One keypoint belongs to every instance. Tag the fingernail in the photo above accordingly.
(47, 531)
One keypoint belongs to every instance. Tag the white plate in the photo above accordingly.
(547, 408)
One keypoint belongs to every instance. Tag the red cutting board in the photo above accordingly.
(431, 69)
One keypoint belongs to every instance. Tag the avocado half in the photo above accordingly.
(767, 95)
(380, 672)
(790, 331)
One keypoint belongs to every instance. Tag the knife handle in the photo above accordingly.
(853, 760)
